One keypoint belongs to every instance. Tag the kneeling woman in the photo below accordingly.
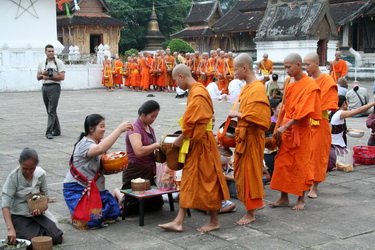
(21, 183)
(90, 204)
(140, 145)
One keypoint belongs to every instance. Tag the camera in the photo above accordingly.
(50, 72)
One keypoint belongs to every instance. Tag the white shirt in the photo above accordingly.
(234, 89)
(213, 90)
(338, 139)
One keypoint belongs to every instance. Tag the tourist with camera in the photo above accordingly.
(52, 72)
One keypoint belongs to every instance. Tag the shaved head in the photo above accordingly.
(181, 69)
(312, 57)
(293, 58)
(243, 59)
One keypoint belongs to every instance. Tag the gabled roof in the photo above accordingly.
(89, 20)
(294, 21)
(195, 31)
(346, 11)
(201, 12)
(244, 16)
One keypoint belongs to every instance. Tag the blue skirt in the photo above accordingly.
(110, 208)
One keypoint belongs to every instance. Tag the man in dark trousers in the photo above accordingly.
(52, 72)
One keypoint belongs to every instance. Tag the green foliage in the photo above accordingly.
(136, 13)
(130, 52)
(179, 45)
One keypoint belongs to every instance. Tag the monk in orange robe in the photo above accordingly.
(229, 62)
(293, 171)
(211, 67)
(265, 66)
(221, 70)
(162, 78)
(321, 132)
(203, 184)
(118, 71)
(195, 61)
(338, 67)
(170, 62)
(254, 118)
(134, 74)
(107, 79)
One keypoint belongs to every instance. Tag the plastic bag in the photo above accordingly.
(344, 159)
(165, 177)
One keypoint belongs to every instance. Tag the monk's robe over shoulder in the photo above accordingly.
(203, 185)
(293, 171)
(250, 135)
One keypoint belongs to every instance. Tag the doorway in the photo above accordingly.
(95, 40)
(322, 51)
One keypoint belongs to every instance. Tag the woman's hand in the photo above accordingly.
(11, 236)
(125, 126)
(178, 142)
(233, 113)
(36, 212)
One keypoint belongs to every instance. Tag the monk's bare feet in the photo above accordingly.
(280, 203)
(246, 219)
(171, 226)
(312, 194)
(208, 227)
(300, 205)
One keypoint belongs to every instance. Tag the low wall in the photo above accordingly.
(76, 77)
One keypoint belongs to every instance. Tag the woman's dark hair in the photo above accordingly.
(91, 121)
(148, 107)
(342, 100)
(27, 154)
(273, 104)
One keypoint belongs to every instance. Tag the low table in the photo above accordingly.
(146, 195)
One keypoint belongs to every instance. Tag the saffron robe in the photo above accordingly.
(107, 79)
(338, 69)
(293, 171)
(118, 72)
(145, 72)
(322, 133)
(265, 67)
(250, 139)
(203, 185)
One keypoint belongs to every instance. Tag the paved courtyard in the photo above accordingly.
(342, 217)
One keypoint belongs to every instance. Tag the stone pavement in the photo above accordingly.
(341, 218)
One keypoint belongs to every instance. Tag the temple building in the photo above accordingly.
(331, 24)
(89, 27)
(199, 33)
(154, 38)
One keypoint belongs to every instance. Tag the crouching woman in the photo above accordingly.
(22, 183)
(89, 203)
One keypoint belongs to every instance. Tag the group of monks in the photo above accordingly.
(144, 70)
(302, 135)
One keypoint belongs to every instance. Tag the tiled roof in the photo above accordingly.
(244, 16)
(89, 20)
(343, 12)
(194, 32)
(200, 12)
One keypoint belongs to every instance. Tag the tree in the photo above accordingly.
(179, 45)
(136, 13)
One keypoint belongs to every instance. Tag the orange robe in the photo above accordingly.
(211, 70)
(134, 76)
(322, 133)
(145, 72)
(156, 71)
(170, 63)
(203, 185)
(162, 78)
(107, 79)
(250, 139)
(338, 69)
(293, 172)
(265, 67)
(118, 72)
(222, 84)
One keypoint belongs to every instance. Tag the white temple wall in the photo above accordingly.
(278, 50)
(76, 77)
